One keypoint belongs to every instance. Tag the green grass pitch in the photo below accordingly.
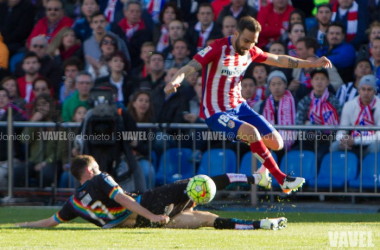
(304, 231)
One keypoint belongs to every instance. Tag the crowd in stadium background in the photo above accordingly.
(53, 52)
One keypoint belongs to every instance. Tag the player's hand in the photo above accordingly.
(171, 87)
(160, 219)
(323, 62)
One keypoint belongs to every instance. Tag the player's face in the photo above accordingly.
(366, 93)
(248, 88)
(245, 41)
(277, 86)
(319, 83)
(363, 68)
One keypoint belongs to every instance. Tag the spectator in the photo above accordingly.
(16, 23)
(323, 18)
(363, 110)
(143, 69)
(204, 29)
(237, 9)
(140, 107)
(349, 91)
(82, 27)
(176, 31)
(4, 55)
(65, 45)
(160, 33)
(375, 58)
(280, 109)
(248, 92)
(71, 67)
(17, 115)
(189, 85)
(297, 16)
(260, 73)
(64, 182)
(31, 66)
(341, 54)
(41, 85)
(99, 68)
(54, 21)
(307, 47)
(157, 72)
(374, 11)
(92, 46)
(40, 158)
(134, 28)
(125, 84)
(180, 53)
(364, 50)
(83, 84)
(296, 31)
(278, 48)
(218, 5)
(50, 68)
(318, 108)
(228, 26)
(10, 84)
(354, 19)
(189, 10)
(274, 21)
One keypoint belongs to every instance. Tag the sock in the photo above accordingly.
(222, 181)
(265, 157)
(230, 223)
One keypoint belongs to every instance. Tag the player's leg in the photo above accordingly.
(256, 125)
(190, 219)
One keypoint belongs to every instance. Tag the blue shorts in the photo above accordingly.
(231, 120)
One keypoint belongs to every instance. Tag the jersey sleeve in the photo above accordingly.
(206, 55)
(66, 213)
(109, 186)
(258, 55)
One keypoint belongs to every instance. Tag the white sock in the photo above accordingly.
(257, 178)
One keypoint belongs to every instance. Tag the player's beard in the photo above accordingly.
(238, 47)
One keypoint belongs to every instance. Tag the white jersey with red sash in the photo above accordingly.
(286, 115)
(223, 69)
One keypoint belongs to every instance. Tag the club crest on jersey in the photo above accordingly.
(204, 51)
(231, 124)
(231, 71)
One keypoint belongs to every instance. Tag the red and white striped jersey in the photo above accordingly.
(223, 69)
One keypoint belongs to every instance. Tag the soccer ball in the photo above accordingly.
(201, 189)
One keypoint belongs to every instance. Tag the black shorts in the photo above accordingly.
(157, 199)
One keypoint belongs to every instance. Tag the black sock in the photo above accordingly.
(222, 181)
(231, 223)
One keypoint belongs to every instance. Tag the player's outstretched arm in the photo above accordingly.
(285, 61)
(190, 68)
(130, 204)
(49, 222)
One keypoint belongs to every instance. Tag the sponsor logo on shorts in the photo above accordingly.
(231, 124)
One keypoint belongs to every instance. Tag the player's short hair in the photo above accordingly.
(310, 42)
(250, 77)
(335, 24)
(248, 23)
(79, 165)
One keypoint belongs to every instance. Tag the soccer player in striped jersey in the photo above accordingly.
(101, 201)
(224, 63)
